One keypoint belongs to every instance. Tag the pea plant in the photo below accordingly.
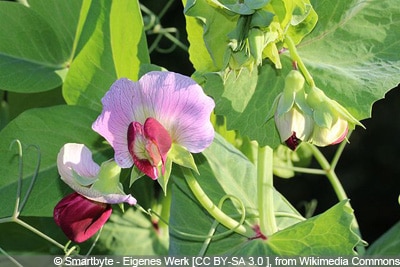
(109, 153)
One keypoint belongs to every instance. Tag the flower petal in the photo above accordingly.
(174, 100)
(75, 164)
(80, 218)
(159, 136)
(118, 113)
(181, 106)
(76, 157)
(330, 136)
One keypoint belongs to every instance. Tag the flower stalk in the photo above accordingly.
(265, 191)
(336, 184)
(296, 58)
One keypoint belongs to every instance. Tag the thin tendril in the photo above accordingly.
(33, 180)
(195, 237)
(95, 241)
(10, 258)
(20, 175)
(20, 205)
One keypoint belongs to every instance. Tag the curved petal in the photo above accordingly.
(80, 218)
(181, 106)
(174, 100)
(76, 158)
(75, 165)
(118, 113)
(330, 136)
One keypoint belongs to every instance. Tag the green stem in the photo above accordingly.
(337, 186)
(36, 231)
(265, 191)
(301, 169)
(211, 208)
(295, 57)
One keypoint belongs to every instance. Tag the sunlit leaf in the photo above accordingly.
(327, 234)
(109, 51)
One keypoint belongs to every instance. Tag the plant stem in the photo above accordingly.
(295, 57)
(211, 208)
(337, 186)
(36, 231)
(265, 191)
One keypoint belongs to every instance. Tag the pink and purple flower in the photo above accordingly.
(142, 120)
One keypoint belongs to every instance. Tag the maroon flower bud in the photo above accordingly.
(79, 217)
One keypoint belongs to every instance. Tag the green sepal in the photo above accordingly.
(323, 116)
(181, 156)
(164, 177)
(108, 178)
(136, 174)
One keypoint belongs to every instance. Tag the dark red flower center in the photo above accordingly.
(148, 145)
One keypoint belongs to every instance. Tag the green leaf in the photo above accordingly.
(225, 171)
(128, 40)
(48, 129)
(132, 233)
(352, 52)
(388, 244)
(107, 51)
(208, 43)
(327, 234)
(35, 48)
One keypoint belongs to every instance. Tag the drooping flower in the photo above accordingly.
(292, 115)
(82, 213)
(311, 117)
(79, 217)
(82, 174)
(331, 120)
(142, 120)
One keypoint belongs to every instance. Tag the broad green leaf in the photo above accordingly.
(35, 48)
(352, 52)
(19, 102)
(132, 233)
(327, 234)
(388, 244)
(63, 17)
(128, 40)
(92, 71)
(107, 51)
(208, 29)
(48, 129)
(223, 171)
